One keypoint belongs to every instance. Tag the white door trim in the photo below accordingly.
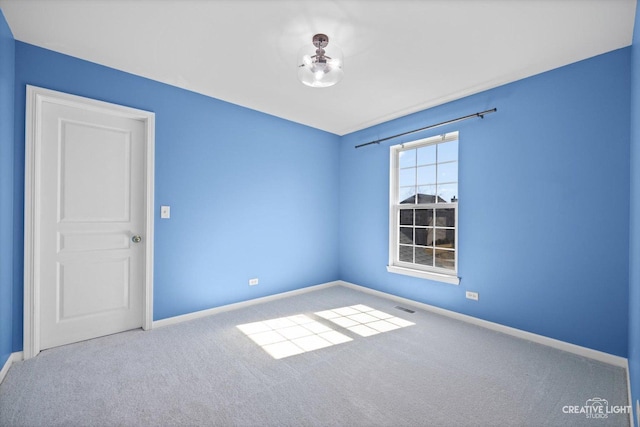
(36, 96)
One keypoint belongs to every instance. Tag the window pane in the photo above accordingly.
(407, 158)
(407, 177)
(406, 235)
(424, 256)
(427, 194)
(424, 217)
(406, 217)
(448, 151)
(421, 236)
(447, 172)
(430, 235)
(405, 253)
(407, 195)
(448, 193)
(445, 218)
(445, 238)
(445, 259)
(426, 175)
(427, 155)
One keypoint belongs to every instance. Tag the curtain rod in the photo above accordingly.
(459, 119)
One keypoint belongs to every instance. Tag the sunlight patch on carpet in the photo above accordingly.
(363, 320)
(288, 336)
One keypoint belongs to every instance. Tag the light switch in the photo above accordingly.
(165, 212)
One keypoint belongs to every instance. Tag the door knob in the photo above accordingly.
(136, 239)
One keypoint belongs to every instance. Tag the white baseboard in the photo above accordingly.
(13, 357)
(204, 313)
(540, 339)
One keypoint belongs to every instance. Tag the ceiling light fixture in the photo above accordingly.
(319, 67)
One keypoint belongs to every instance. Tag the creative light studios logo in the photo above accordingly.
(597, 407)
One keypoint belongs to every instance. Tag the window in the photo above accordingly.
(423, 211)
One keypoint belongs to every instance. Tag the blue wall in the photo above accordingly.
(251, 195)
(634, 230)
(543, 210)
(7, 70)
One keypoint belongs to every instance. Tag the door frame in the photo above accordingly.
(36, 97)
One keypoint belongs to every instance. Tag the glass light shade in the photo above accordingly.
(323, 72)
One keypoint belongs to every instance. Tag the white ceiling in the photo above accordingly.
(400, 56)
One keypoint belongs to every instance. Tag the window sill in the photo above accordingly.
(453, 280)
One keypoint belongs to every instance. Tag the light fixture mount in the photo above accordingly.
(320, 68)
(320, 40)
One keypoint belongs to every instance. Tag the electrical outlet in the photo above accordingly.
(472, 295)
(253, 282)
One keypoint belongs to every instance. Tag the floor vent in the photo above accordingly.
(405, 309)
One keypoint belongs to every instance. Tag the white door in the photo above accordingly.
(90, 222)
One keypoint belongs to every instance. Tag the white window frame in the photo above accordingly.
(411, 269)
